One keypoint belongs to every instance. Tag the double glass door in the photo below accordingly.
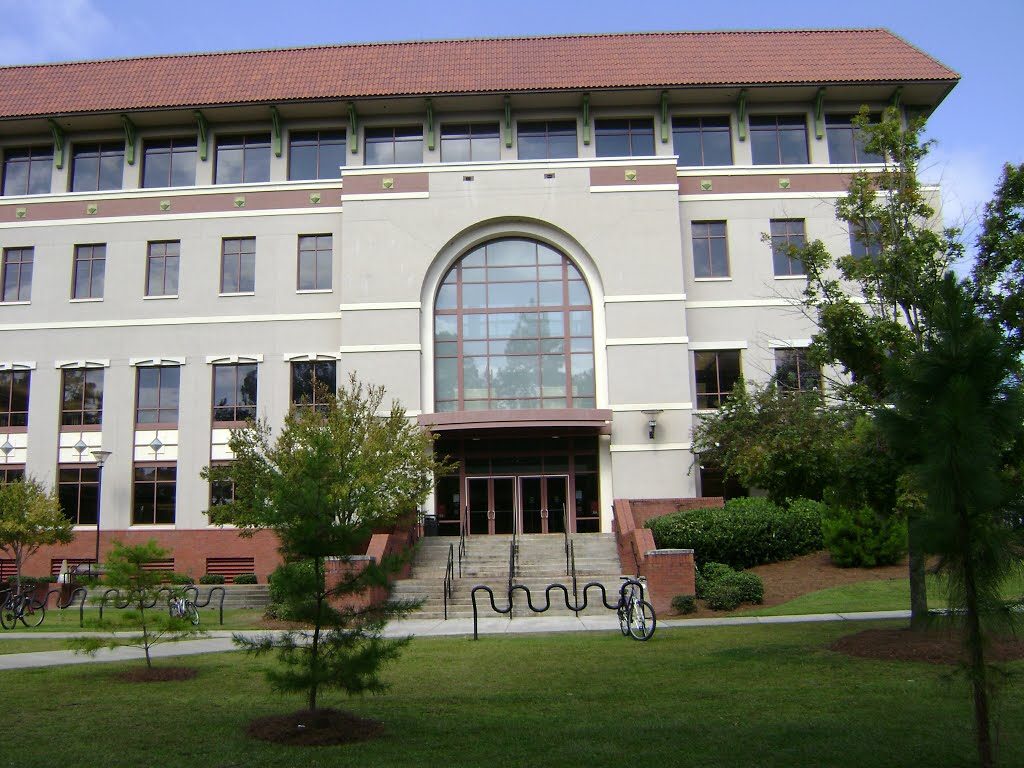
(517, 503)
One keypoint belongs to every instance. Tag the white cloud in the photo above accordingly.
(58, 30)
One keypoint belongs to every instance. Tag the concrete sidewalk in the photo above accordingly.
(218, 641)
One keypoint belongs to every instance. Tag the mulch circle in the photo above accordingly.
(158, 674)
(934, 646)
(324, 727)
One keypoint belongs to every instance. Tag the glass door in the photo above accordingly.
(531, 499)
(503, 511)
(478, 504)
(556, 493)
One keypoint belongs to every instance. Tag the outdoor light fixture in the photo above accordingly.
(652, 421)
(101, 457)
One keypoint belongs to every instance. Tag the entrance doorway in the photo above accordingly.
(520, 504)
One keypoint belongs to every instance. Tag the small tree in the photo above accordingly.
(331, 476)
(30, 517)
(128, 570)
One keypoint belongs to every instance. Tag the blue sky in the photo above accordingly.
(976, 127)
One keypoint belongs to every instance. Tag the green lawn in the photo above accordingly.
(729, 696)
(31, 646)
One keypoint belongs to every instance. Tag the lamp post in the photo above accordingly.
(101, 457)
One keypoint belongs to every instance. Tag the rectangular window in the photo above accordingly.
(82, 402)
(89, 269)
(315, 254)
(778, 139)
(465, 143)
(866, 241)
(710, 249)
(787, 234)
(10, 473)
(78, 489)
(16, 277)
(95, 167)
(702, 140)
(401, 145)
(315, 154)
(162, 268)
(238, 265)
(14, 388)
(243, 159)
(624, 138)
(28, 170)
(234, 392)
(846, 141)
(157, 401)
(794, 372)
(547, 140)
(221, 492)
(154, 494)
(717, 373)
(169, 162)
(311, 381)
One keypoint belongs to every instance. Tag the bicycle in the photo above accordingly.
(183, 608)
(21, 606)
(636, 615)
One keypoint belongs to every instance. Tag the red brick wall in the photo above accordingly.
(645, 509)
(395, 543)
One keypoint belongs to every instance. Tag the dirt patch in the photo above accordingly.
(935, 646)
(323, 727)
(158, 674)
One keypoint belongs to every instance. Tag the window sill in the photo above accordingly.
(14, 303)
(86, 301)
(155, 526)
(159, 298)
(240, 293)
(83, 528)
(791, 277)
(712, 279)
(314, 290)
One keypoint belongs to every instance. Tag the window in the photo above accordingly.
(778, 140)
(717, 373)
(158, 394)
(154, 495)
(14, 387)
(394, 146)
(624, 138)
(513, 328)
(315, 253)
(710, 250)
(315, 154)
(866, 243)
(547, 140)
(238, 265)
(794, 372)
(169, 163)
(787, 234)
(90, 266)
(162, 268)
(78, 489)
(234, 392)
(846, 141)
(702, 140)
(243, 159)
(27, 170)
(221, 492)
(311, 381)
(83, 397)
(11, 473)
(17, 274)
(95, 167)
(470, 143)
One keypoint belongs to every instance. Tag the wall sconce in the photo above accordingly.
(652, 421)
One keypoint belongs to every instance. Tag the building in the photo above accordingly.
(550, 250)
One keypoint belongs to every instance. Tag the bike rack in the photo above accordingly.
(171, 591)
(209, 597)
(575, 607)
(71, 598)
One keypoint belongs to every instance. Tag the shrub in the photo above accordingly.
(723, 596)
(211, 578)
(684, 603)
(300, 579)
(245, 578)
(181, 578)
(708, 573)
(725, 589)
(744, 533)
(860, 538)
(749, 585)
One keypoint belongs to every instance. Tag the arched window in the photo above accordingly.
(513, 328)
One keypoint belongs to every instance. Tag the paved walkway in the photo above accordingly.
(218, 641)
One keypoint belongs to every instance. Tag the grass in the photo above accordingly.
(67, 620)
(32, 645)
(730, 696)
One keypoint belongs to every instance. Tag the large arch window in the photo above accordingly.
(513, 328)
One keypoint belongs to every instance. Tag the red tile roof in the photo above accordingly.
(668, 59)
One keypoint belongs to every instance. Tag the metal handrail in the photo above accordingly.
(462, 543)
(565, 536)
(449, 574)
(512, 549)
(572, 558)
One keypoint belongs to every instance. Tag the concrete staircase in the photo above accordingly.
(541, 562)
(252, 596)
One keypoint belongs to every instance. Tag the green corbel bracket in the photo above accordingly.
(665, 132)
(819, 114)
(275, 131)
(203, 133)
(130, 135)
(430, 125)
(353, 128)
(741, 115)
(897, 97)
(58, 144)
(508, 120)
(586, 118)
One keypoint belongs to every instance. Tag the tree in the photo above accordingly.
(328, 479)
(128, 569)
(30, 517)
(887, 314)
(958, 417)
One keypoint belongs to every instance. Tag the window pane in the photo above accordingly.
(793, 144)
(717, 147)
(183, 168)
(229, 165)
(111, 170)
(302, 162)
(409, 152)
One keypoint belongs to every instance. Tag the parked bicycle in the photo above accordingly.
(182, 608)
(21, 606)
(636, 615)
